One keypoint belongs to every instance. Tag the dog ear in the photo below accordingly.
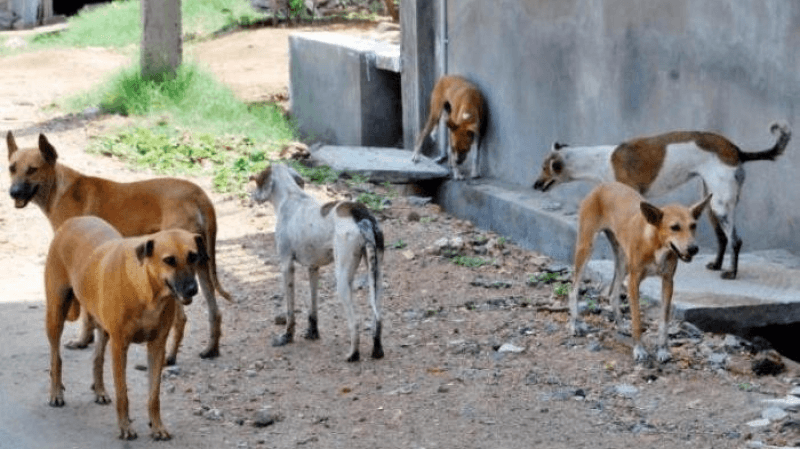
(201, 249)
(297, 178)
(697, 209)
(11, 143)
(47, 150)
(652, 214)
(558, 145)
(452, 125)
(447, 108)
(145, 250)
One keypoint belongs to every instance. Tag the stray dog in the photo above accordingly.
(462, 103)
(131, 288)
(314, 236)
(659, 164)
(135, 208)
(646, 241)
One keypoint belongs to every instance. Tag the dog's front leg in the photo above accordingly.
(453, 164)
(475, 156)
(99, 387)
(155, 363)
(639, 352)
(312, 333)
(663, 355)
(119, 361)
(287, 271)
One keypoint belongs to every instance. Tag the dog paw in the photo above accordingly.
(312, 333)
(714, 266)
(640, 354)
(77, 344)
(415, 158)
(663, 355)
(102, 398)
(160, 434)
(441, 159)
(209, 353)
(354, 357)
(728, 275)
(126, 433)
(172, 360)
(377, 352)
(57, 401)
(282, 340)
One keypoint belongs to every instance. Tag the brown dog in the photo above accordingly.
(463, 104)
(646, 241)
(135, 208)
(131, 288)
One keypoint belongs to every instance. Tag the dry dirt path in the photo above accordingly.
(443, 383)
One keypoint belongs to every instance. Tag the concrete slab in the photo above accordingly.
(379, 164)
(767, 291)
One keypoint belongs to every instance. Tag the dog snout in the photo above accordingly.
(19, 191)
(692, 250)
(186, 289)
(461, 158)
(538, 184)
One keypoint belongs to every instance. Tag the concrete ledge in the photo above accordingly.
(340, 92)
(766, 292)
(380, 164)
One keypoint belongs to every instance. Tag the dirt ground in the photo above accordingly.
(447, 379)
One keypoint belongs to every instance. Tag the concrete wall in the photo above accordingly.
(602, 71)
(339, 93)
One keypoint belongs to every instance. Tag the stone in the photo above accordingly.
(626, 391)
(774, 414)
(758, 423)
(790, 402)
(15, 43)
(215, 414)
(718, 359)
(508, 347)
(263, 418)
(419, 201)
(379, 164)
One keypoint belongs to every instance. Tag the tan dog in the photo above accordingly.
(646, 241)
(659, 164)
(131, 288)
(463, 104)
(135, 208)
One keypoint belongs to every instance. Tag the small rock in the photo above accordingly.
(626, 391)
(791, 403)
(732, 343)
(718, 359)
(508, 347)
(774, 414)
(172, 371)
(758, 423)
(795, 391)
(263, 418)
(419, 201)
(91, 112)
(15, 43)
(413, 216)
(251, 373)
(215, 414)
(408, 254)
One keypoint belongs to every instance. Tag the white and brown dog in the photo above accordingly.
(461, 104)
(646, 240)
(315, 235)
(656, 165)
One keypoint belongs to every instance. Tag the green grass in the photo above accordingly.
(118, 24)
(189, 124)
(470, 262)
(321, 174)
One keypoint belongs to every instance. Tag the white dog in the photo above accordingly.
(315, 235)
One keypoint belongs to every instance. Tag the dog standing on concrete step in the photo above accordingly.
(315, 235)
(657, 165)
(134, 208)
(646, 241)
(131, 287)
(461, 104)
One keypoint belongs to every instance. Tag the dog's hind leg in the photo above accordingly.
(374, 261)
(287, 271)
(86, 336)
(99, 386)
(722, 241)
(214, 315)
(615, 288)
(587, 229)
(347, 254)
(312, 333)
(178, 327)
(59, 300)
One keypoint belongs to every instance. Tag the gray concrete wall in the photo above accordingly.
(604, 71)
(338, 94)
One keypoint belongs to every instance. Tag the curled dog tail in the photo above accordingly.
(784, 134)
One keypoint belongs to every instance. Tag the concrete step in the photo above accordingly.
(379, 164)
(766, 292)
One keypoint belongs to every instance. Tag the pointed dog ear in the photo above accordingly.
(48, 151)
(201, 249)
(652, 214)
(452, 125)
(697, 209)
(145, 250)
(558, 145)
(297, 178)
(12, 144)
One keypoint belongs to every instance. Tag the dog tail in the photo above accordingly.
(374, 247)
(208, 216)
(784, 134)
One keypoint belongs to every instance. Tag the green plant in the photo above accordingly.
(544, 278)
(745, 386)
(296, 8)
(356, 180)
(372, 200)
(502, 240)
(561, 288)
(470, 262)
(425, 220)
(399, 244)
(321, 174)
